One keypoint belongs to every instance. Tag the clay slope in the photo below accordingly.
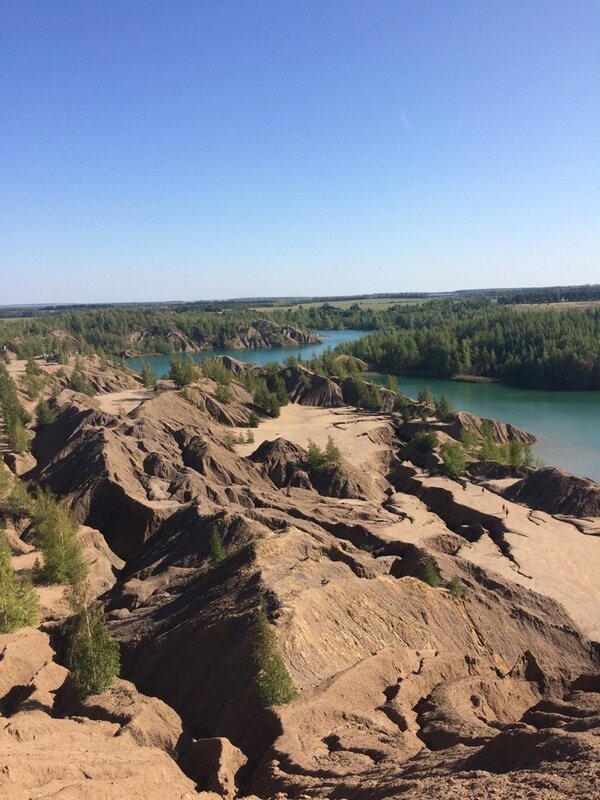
(264, 333)
(557, 492)
(125, 474)
(501, 432)
(404, 688)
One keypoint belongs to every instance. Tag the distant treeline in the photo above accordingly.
(114, 330)
(547, 294)
(536, 348)
(551, 294)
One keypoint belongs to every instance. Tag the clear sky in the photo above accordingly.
(177, 149)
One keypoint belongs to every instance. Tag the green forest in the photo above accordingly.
(114, 330)
(499, 338)
(535, 348)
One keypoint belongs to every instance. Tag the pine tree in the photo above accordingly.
(19, 604)
(425, 396)
(333, 456)
(182, 372)
(18, 500)
(44, 415)
(273, 683)
(18, 440)
(218, 553)
(454, 458)
(273, 406)
(444, 410)
(148, 375)
(315, 455)
(57, 535)
(93, 653)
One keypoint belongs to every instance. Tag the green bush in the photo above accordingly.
(315, 456)
(444, 410)
(265, 399)
(273, 683)
(148, 375)
(454, 458)
(328, 457)
(18, 501)
(57, 536)
(425, 441)
(369, 396)
(18, 440)
(468, 439)
(425, 396)
(93, 654)
(456, 588)
(218, 553)
(253, 420)
(79, 383)
(223, 393)
(19, 603)
(333, 456)
(44, 415)
(214, 369)
(429, 574)
(182, 372)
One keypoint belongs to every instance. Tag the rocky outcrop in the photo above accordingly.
(309, 389)
(557, 492)
(264, 333)
(281, 460)
(179, 342)
(122, 756)
(234, 365)
(215, 762)
(345, 482)
(260, 333)
(501, 432)
(102, 376)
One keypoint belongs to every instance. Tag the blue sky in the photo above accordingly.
(188, 150)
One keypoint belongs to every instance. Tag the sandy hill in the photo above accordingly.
(483, 684)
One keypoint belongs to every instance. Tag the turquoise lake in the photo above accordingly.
(566, 424)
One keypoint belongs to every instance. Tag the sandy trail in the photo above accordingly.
(124, 401)
(552, 556)
(53, 603)
(298, 424)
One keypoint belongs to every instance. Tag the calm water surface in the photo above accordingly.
(160, 364)
(567, 424)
